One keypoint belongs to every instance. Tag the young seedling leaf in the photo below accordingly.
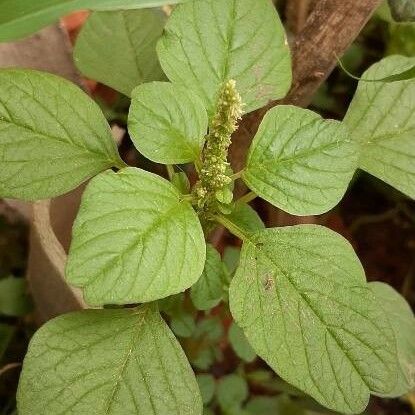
(107, 362)
(209, 42)
(20, 18)
(135, 240)
(100, 51)
(167, 123)
(207, 387)
(183, 324)
(402, 321)
(300, 162)
(240, 344)
(52, 136)
(301, 298)
(246, 218)
(232, 390)
(381, 119)
(208, 290)
(14, 299)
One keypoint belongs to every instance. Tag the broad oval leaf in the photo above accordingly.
(167, 123)
(300, 162)
(21, 18)
(301, 298)
(134, 240)
(100, 51)
(402, 321)
(107, 362)
(208, 290)
(208, 42)
(52, 136)
(381, 119)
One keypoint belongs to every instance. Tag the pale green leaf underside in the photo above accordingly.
(167, 123)
(109, 362)
(208, 42)
(300, 162)
(20, 18)
(381, 118)
(119, 48)
(402, 321)
(208, 290)
(134, 240)
(301, 298)
(52, 136)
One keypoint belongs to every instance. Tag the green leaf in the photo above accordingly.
(209, 42)
(107, 362)
(172, 305)
(300, 162)
(208, 290)
(401, 39)
(246, 218)
(6, 335)
(380, 119)
(282, 404)
(20, 18)
(14, 300)
(181, 181)
(183, 324)
(209, 328)
(52, 136)
(134, 240)
(231, 258)
(400, 76)
(240, 344)
(232, 390)
(402, 321)
(301, 298)
(402, 10)
(100, 51)
(167, 123)
(207, 387)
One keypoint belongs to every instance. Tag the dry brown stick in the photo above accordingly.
(330, 29)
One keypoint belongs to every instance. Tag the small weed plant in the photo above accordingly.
(298, 295)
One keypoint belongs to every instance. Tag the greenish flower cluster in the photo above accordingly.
(214, 175)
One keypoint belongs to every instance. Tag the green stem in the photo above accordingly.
(170, 171)
(231, 227)
(237, 175)
(249, 197)
(120, 164)
(198, 165)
